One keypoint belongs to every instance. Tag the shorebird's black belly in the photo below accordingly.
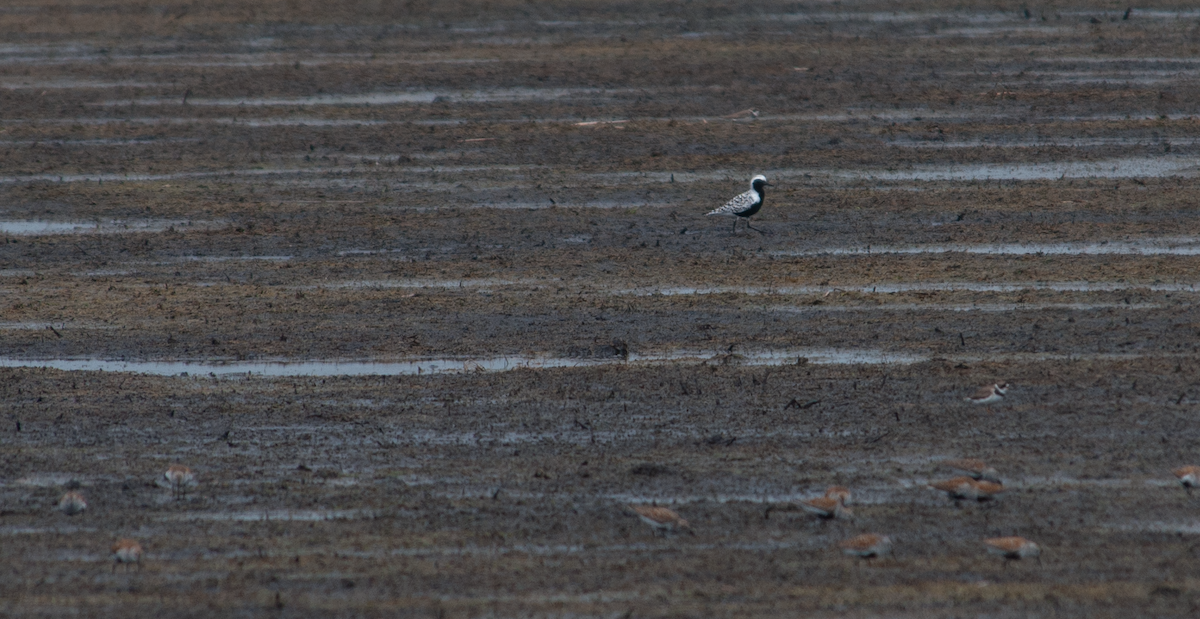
(750, 211)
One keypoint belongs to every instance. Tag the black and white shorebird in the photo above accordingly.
(745, 205)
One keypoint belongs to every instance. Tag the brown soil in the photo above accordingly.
(475, 201)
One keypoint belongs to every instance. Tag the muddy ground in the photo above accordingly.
(502, 205)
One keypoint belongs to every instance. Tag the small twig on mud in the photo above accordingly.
(51, 327)
(1180, 400)
(879, 438)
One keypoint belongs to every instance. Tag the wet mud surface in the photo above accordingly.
(425, 296)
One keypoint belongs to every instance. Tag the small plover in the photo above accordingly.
(827, 508)
(840, 493)
(127, 551)
(180, 479)
(661, 519)
(745, 205)
(966, 488)
(1189, 476)
(72, 503)
(977, 469)
(988, 395)
(867, 545)
(987, 490)
(1014, 548)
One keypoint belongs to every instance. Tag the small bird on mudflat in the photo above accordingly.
(745, 205)
(661, 519)
(867, 545)
(126, 551)
(989, 395)
(179, 478)
(72, 503)
(1189, 476)
(1012, 548)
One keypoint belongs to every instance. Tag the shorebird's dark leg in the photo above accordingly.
(735, 220)
(752, 227)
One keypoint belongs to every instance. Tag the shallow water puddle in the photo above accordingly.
(1168, 246)
(304, 515)
(116, 178)
(893, 288)
(1131, 167)
(1042, 142)
(979, 307)
(482, 282)
(383, 98)
(38, 228)
(824, 356)
(68, 84)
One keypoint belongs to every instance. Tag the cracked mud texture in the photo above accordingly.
(962, 195)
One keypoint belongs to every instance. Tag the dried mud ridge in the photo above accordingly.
(425, 295)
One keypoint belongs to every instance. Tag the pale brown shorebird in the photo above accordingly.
(126, 551)
(661, 519)
(1013, 548)
(1189, 477)
(967, 488)
(977, 469)
(867, 545)
(989, 395)
(72, 503)
(180, 478)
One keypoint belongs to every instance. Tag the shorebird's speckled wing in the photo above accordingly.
(659, 515)
(740, 203)
(984, 393)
